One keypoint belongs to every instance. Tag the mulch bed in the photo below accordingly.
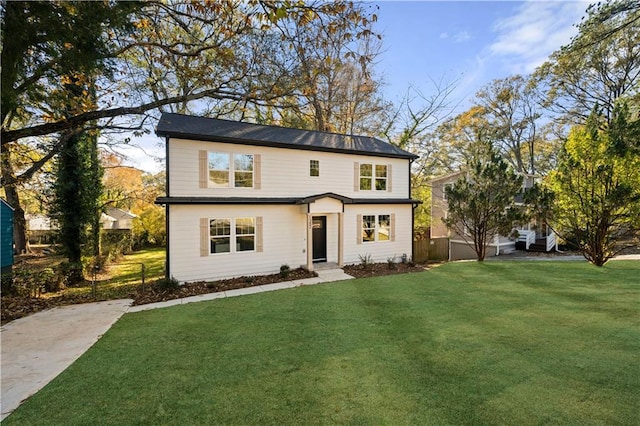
(14, 307)
(155, 293)
(377, 269)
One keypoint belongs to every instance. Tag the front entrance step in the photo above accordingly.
(322, 266)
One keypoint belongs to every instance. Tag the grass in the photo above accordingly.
(125, 275)
(465, 343)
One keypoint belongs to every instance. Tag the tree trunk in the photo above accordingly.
(21, 243)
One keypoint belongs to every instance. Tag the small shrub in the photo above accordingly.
(249, 280)
(50, 280)
(285, 270)
(26, 283)
(365, 260)
(168, 284)
(391, 262)
(70, 273)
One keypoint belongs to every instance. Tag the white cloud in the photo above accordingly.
(462, 36)
(526, 39)
(459, 37)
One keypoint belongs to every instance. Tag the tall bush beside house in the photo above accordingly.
(482, 203)
(596, 187)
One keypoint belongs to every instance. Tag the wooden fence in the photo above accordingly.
(431, 249)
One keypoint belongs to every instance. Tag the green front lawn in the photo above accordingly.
(464, 343)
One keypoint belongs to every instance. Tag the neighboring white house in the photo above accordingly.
(533, 236)
(116, 218)
(245, 199)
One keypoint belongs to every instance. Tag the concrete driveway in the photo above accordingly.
(37, 348)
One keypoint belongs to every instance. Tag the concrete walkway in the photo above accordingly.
(35, 349)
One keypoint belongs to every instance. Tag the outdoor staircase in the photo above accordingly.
(539, 246)
(528, 241)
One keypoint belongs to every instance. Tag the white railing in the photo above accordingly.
(551, 241)
(529, 237)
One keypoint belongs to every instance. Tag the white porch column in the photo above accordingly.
(340, 239)
(309, 242)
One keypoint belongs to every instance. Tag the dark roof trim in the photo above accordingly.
(256, 200)
(314, 198)
(224, 200)
(216, 130)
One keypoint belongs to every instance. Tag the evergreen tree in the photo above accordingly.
(76, 199)
(482, 202)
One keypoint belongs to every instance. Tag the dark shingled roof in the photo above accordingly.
(215, 130)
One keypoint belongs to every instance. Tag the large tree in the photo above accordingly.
(145, 56)
(597, 188)
(598, 67)
(482, 201)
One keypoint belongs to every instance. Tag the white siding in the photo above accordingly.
(284, 172)
(380, 251)
(284, 241)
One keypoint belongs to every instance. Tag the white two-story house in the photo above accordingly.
(245, 199)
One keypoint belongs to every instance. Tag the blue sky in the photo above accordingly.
(470, 42)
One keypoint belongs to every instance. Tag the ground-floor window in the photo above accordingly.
(376, 227)
(232, 235)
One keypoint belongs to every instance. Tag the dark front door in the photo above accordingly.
(319, 235)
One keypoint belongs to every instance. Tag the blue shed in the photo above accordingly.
(6, 237)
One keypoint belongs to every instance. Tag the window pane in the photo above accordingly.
(218, 169)
(365, 170)
(368, 228)
(365, 183)
(220, 227)
(245, 225)
(245, 243)
(381, 177)
(220, 244)
(314, 168)
(243, 162)
(243, 179)
(218, 178)
(384, 221)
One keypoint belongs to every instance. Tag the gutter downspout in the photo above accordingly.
(167, 207)
(413, 213)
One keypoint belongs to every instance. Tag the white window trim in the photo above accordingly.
(310, 168)
(232, 170)
(376, 238)
(374, 177)
(444, 189)
(233, 236)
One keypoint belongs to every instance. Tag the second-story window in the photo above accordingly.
(314, 168)
(381, 177)
(444, 190)
(230, 170)
(373, 177)
(243, 170)
(366, 176)
(218, 169)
